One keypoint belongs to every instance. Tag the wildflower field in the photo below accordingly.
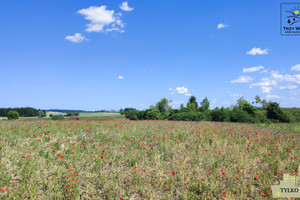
(121, 159)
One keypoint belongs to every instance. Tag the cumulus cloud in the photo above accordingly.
(265, 89)
(252, 69)
(124, 6)
(76, 38)
(242, 79)
(100, 18)
(278, 81)
(272, 97)
(221, 25)
(120, 77)
(296, 67)
(180, 90)
(257, 51)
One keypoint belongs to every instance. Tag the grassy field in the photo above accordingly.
(118, 159)
(82, 116)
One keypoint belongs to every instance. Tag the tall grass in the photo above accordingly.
(142, 160)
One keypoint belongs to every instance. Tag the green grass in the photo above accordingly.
(113, 159)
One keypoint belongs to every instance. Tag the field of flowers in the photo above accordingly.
(142, 160)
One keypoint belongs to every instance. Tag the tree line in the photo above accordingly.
(258, 111)
(23, 112)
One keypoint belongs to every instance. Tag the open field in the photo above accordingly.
(82, 116)
(142, 160)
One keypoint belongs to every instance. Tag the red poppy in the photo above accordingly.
(67, 186)
(173, 173)
(223, 193)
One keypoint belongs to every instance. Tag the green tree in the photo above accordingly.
(275, 113)
(192, 105)
(205, 104)
(12, 115)
(41, 113)
(163, 106)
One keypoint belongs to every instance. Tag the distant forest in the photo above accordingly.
(258, 111)
(23, 112)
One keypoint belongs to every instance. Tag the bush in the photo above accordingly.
(153, 114)
(141, 115)
(220, 115)
(132, 114)
(238, 115)
(260, 116)
(187, 116)
(58, 117)
(276, 114)
(12, 115)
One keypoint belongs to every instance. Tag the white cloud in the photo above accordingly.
(286, 77)
(125, 6)
(296, 67)
(76, 38)
(265, 89)
(252, 69)
(100, 17)
(180, 90)
(257, 51)
(289, 87)
(243, 79)
(272, 97)
(221, 25)
(277, 80)
(120, 77)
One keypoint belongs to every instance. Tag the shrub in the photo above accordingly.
(153, 114)
(57, 117)
(260, 116)
(220, 115)
(187, 116)
(141, 115)
(276, 114)
(12, 115)
(132, 114)
(238, 115)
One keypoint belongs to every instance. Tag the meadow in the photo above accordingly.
(121, 159)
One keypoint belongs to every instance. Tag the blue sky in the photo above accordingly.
(93, 54)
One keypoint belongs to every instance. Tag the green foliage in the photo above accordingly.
(192, 105)
(41, 113)
(239, 115)
(72, 114)
(153, 114)
(23, 112)
(187, 116)
(131, 114)
(275, 113)
(57, 117)
(163, 106)
(205, 104)
(12, 115)
(243, 112)
(220, 115)
(260, 116)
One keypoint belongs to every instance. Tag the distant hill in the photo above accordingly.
(64, 111)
